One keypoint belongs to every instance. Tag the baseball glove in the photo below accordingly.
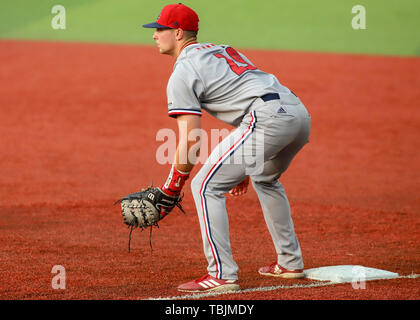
(146, 208)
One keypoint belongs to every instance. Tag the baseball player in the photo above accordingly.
(271, 124)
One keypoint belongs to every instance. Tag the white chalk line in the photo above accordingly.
(265, 289)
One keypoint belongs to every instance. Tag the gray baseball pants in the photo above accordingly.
(262, 147)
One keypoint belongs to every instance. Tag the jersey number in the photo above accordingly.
(235, 56)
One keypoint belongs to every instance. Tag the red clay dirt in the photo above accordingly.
(78, 130)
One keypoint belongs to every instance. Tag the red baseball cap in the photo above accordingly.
(174, 16)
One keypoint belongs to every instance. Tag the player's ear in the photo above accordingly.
(179, 34)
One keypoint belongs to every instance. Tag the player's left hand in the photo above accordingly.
(145, 208)
(240, 189)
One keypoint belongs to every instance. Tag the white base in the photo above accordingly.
(348, 273)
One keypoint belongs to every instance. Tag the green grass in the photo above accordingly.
(308, 25)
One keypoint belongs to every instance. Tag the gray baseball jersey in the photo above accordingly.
(218, 79)
(225, 83)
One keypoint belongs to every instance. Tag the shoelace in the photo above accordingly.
(150, 236)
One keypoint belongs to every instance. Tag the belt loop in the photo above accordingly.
(270, 96)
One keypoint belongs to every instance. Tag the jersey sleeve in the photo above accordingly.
(183, 91)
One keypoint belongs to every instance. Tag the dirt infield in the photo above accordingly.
(78, 130)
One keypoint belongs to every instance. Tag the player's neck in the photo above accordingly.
(183, 46)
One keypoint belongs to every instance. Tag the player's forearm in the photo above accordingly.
(180, 169)
(189, 143)
(186, 153)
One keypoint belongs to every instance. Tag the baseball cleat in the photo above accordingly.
(275, 270)
(208, 284)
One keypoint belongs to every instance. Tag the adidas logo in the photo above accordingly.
(207, 284)
(281, 110)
